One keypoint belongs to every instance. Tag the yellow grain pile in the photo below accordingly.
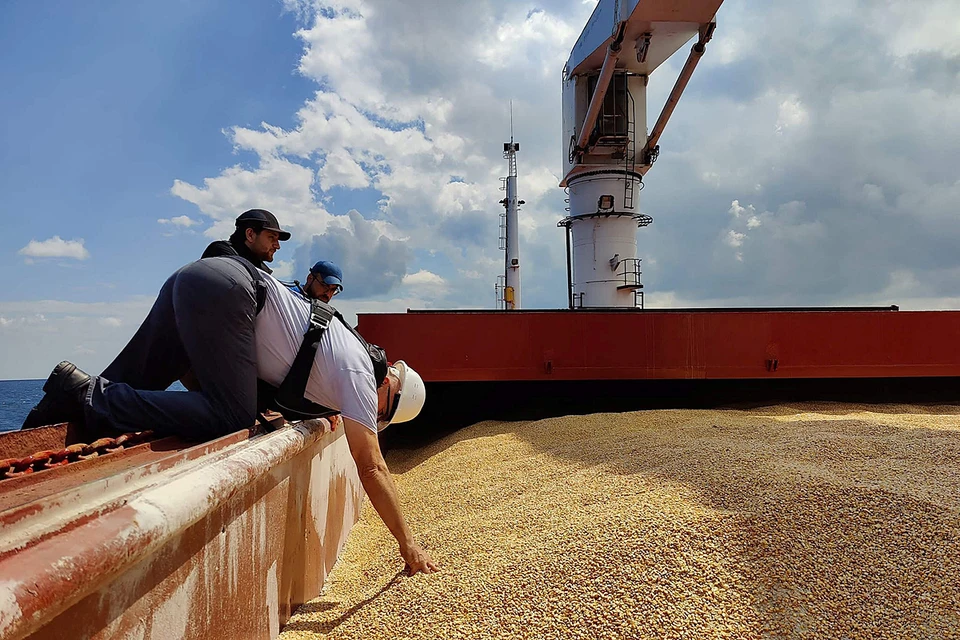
(806, 521)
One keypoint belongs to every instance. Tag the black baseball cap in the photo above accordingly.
(262, 219)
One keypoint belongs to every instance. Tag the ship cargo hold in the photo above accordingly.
(140, 536)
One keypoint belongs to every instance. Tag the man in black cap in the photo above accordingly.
(257, 238)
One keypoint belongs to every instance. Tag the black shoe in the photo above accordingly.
(65, 393)
(68, 380)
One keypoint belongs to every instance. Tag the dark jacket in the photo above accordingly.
(228, 248)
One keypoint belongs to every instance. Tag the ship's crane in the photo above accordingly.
(607, 147)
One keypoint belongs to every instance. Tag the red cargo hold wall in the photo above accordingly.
(453, 346)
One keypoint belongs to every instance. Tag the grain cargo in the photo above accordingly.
(800, 521)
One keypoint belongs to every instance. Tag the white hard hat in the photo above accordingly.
(413, 393)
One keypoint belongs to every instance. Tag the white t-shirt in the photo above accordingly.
(342, 374)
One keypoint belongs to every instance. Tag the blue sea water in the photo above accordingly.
(17, 397)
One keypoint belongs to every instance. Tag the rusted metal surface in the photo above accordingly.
(19, 444)
(61, 456)
(670, 345)
(87, 477)
(223, 540)
(104, 457)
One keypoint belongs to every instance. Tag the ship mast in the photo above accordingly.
(509, 292)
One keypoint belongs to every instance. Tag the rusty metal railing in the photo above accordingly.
(51, 458)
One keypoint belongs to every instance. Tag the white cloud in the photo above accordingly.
(56, 247)
(404, 127)
(733, 46)
(26, 320)
(538, 181)
(734, 239)
(278, 184)
(37, 334)
(337, 53)
(790, 114)
(743, 217)
(179, 221)
(423, 130)
(542, 36)
(736, 210)
(340, 170)
(930, 27)
(284, 270)
(423, 278)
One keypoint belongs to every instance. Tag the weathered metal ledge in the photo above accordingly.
(222, 540)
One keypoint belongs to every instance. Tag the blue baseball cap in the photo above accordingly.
(328, 272)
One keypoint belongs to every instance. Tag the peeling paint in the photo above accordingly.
(139, 632)
(171, 618)
(9, 607)
(273, 602)
(320, 469)
(230, 541)
(128, 582)
(260, 522)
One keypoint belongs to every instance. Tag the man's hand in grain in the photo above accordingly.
(334, 421)
(417, 560)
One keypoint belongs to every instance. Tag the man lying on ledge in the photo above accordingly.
(225, 319)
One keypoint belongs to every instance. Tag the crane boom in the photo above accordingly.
(670, 23)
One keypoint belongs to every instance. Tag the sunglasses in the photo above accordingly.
(336, 288)
(392, 404)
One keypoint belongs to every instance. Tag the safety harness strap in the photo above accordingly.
(289, 398)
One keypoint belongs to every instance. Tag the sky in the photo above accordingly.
(813, 159)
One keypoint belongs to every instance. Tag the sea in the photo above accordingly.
(17, 397)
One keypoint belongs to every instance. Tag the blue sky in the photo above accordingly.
(102, 110)
(812, 160)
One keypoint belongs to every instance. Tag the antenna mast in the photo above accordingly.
(509, 239)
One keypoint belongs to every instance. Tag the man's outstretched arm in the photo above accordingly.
(377, 482)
